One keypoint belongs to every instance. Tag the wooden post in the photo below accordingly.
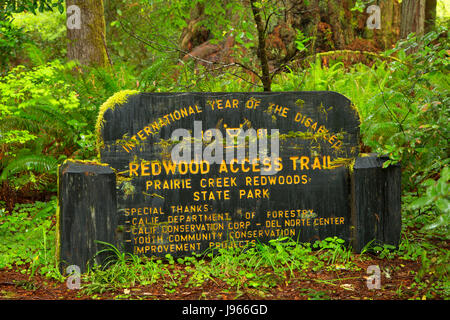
(376, 202)
(87, 213)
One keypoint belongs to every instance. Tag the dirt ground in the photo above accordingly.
(397, 283)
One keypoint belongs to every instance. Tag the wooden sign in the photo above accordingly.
(203, 171)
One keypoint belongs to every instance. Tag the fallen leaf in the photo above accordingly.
(347, 286)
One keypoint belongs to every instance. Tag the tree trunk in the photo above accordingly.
(336, 26)
(262, 54)
(86, 36)
(340, 22)
(389, 31)
(430, 15)
(413, 17)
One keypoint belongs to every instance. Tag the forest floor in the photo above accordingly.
(396, 283)
(403, 276)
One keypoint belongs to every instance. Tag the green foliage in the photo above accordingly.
(403, 106)
(139, 33)
(47, 114)
(158, 31)
(335, 250)
(27, 238)
(241, 268)
(123, 270)
(48, 27)
(38, 122)
(384, 251)
(12, 41)
(33, 162)
(435, 196)
(301, 40)
(46, 32)
(15, 6)
(415, 101)
(202, 81)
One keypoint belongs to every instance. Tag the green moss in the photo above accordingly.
(120, 178)
(92, 162)
(354, 108)
(339, 162)
(300, 103)
(57, 237)
(363, 155)
(153, 195)
(306, 135)
(118, 99)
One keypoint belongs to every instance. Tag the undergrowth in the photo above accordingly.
(27, 243)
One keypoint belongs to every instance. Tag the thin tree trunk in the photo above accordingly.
(87, 42)
(262, 54)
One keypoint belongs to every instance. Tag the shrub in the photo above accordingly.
(40, 124)
(12, 40)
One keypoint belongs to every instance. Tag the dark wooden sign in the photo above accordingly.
(203, 171)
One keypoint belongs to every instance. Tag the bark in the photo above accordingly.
(88, 43)
(262, 54)
(413, 17)
(390, 24)
(194, 34)
(341, 31)
(430, 15)
(337, 27)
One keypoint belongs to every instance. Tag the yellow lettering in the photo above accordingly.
(304, 163)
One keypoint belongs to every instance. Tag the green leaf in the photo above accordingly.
(420, 202)
(443, 205)
(257, 4)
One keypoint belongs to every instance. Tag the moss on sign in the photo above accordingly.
(118, 99)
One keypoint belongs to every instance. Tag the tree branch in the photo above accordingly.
(164, 48)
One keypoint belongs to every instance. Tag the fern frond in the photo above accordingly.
(40, 117)
(33, 162)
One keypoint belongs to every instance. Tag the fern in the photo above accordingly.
(40, 117)
(152, 73)
(32, 162)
